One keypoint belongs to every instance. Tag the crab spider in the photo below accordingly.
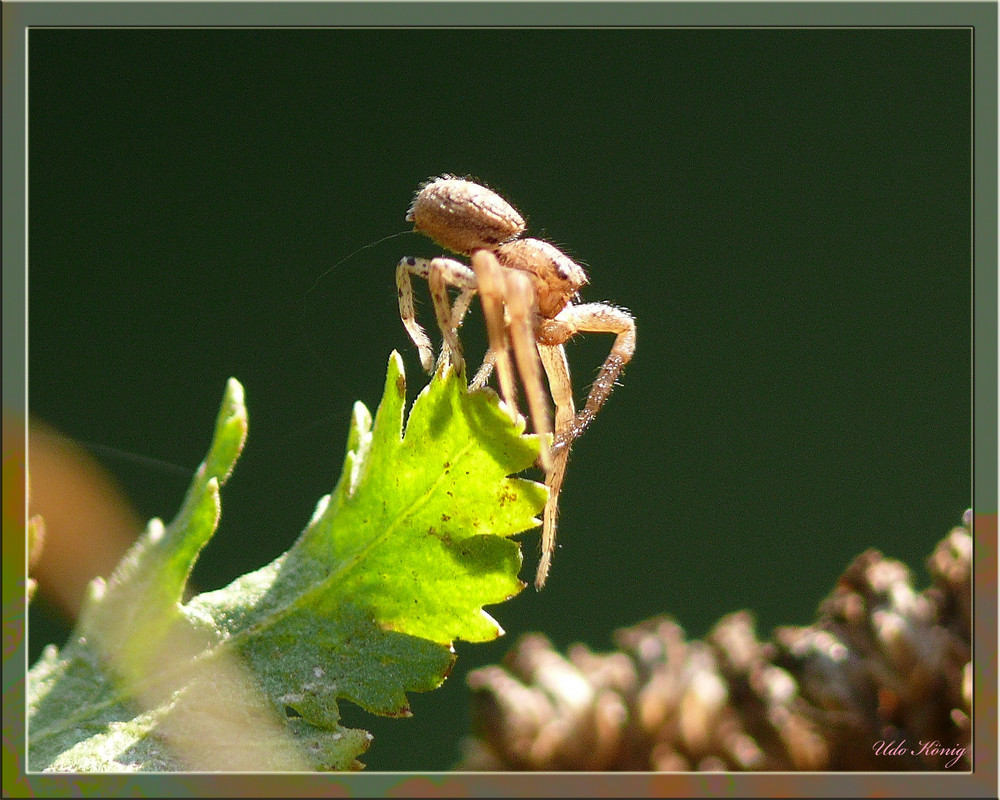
(526, 287)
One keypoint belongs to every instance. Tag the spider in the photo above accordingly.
(526, 287)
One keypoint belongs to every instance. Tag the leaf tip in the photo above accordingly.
(361, 417)
(446, 373)
(359, 432)
(234, 395)
(396, 368)
(395, 379)
(231, 427)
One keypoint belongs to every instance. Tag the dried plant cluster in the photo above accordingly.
(882, 681)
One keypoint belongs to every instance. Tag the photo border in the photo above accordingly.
(20, 17)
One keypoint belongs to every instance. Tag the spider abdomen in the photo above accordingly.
(463, 216)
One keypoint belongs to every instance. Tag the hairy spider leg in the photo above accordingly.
(592, 318)
(461, 307)
(509, 309)
(485, 370)
(489, 276)
(407, 313)
(522, 313)
(439, 273)
(561, 387)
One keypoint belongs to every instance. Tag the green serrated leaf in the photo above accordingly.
(133, 614)
(438, 497)
(399, 561)
(396, 564)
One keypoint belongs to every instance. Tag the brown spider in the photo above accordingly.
(526, 287)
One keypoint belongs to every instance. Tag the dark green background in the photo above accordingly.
(787, 213)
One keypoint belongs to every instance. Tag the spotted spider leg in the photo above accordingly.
(440, 273)
(454, 274)
(592, 318)
(421, 268)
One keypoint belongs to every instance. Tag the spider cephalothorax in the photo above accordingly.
(527, 288)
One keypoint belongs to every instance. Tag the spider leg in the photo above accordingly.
(595, 318)
(485, 370)
(440, 274)
(519, 296)
(489, 276)
(557, 370)
(461, 307)
(458, 311)
(404, 290)
(444, 272)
